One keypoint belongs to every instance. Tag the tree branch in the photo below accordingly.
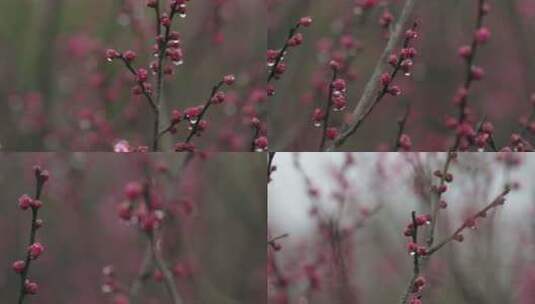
(367, 101)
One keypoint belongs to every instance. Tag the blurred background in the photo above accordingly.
(327, 210)
(503, 96)
(213, 231)
(58, 92)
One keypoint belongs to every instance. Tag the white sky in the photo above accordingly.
(288, 204)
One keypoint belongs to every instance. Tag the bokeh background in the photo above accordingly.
(59, 93)
(503, 95)
(220, 245)
(361, 210)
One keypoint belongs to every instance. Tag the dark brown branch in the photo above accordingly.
(282, 52)
(402, 122)
(40, 181)
(367, 101)
(194, 128)
(327, 110)
(468, 75)
(499, 200)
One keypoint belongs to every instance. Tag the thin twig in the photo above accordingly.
(402, 122)
(282, 52)
(416, 261)
(482, 213)
(271, 156)
(143, 274)
(438, 196)
(159, 81)
(469, 78)
(327, 110)
(194, 128)
(169, 280)
(33, 231)
(149, 257)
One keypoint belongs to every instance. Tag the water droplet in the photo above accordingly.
(317, 124)
(106, 288)
(109, 59)
(179, 62)
(260, 150)
(122, 146)
(357, 11)
(159, 214)
(193, 120)
(182, 15)
(412, 253)
(407, 74)
(85, 124)
(270, 64)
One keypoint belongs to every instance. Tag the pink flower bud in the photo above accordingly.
(331, 133)
(296, 40)
(318, 115)
(133, 190)
(35, 250)
(18, 266)
(229, 79)
(112, 54)
(339, 84)
(218, 98)
(412, 247)
(129, 55)
(385, 79)
(30, 287)
(477, 73)
(261, 143)
(184, 147)
(465, 51)
(305, 21)
(482, 35)
(36, 204)
(142, 75)
(405, 142)
(124, 211)
(25, 201)
(176, 117)
(386, 19)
